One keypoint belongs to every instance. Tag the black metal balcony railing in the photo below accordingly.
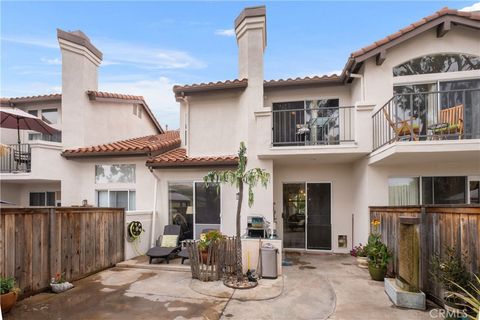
(319, 126)
(420, 116)
(15, 158)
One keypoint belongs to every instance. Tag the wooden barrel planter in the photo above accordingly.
(211, 264)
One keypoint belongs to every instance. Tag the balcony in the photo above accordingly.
(428, 116)
(16, 158)
(312, 126)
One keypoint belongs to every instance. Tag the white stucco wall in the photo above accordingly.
(215, 126)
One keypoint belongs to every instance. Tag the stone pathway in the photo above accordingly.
(314, 287)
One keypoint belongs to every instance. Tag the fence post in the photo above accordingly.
(52, 246)
(424, 250)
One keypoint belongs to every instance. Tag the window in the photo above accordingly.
(431, 190)
(138, 110)
(474, 187)
(33, 112)
(42, 199)
(50, 116)
(403, 191)
(195, 207)
(117, 199)
(438, 63)
(444, 190)
(115, 173)
(311, 121)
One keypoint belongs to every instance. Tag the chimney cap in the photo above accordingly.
(79, 38)
(248, 12)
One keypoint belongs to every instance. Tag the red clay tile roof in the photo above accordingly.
(99, 95)
(110, 95)
(148, 145)
(441, 13)
(178, 158)
(197, 87)
(45, 97)
(302, 81)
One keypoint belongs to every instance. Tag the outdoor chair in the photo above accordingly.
(403, 128)
(450, 122)
(168, 245)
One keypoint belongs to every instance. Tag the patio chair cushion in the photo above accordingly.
(169, 241)
(406, 130)
(450, 128)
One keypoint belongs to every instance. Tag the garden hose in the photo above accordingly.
(134, 231)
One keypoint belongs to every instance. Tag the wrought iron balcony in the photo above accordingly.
(15, 158)
(420, 116)
(312, 126)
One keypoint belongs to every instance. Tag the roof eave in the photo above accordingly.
(173, 165)
(132, 153)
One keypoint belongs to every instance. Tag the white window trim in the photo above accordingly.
(114, 190)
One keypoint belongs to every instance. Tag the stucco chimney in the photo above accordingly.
(80, 62)
(251, 32)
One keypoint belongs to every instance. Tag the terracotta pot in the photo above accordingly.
(204, 257)
(377, 273)
(7, 301)
(362, 262)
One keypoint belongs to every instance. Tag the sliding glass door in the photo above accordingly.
(307, 216)
(195, 207)
(319, 225)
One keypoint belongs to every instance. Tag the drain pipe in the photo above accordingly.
(362, 82)
(154, 213)
(186, 124)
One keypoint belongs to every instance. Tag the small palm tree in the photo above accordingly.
(239, 178)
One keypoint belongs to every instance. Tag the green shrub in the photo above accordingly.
(451, 270)
(7, 285)
(377, 252)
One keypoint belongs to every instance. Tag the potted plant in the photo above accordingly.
(207, 239)
(9, 293)
(377, 253)
(470, 297)
(360, 253)
(58, 283)
(450, 270)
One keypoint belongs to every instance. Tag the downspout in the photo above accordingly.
(185, 100)
(362, 82)
(155, 189)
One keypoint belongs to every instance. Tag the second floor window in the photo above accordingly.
(50, 116)
(115, 173)
(438, 63)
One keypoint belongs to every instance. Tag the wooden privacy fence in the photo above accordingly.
(440, 227)
(38, 243)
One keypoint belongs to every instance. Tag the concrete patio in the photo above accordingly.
(322, 286)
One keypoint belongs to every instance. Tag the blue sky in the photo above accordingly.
(149, 46)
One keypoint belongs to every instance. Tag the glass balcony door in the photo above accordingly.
(307, 216)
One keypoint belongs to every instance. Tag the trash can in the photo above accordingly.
(269, 261)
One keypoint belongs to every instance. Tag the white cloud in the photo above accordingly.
(146, 57)
(54, 61)
(225, 32)
(157, 93)
(473, 7)
(37, 42)
(126, 53)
